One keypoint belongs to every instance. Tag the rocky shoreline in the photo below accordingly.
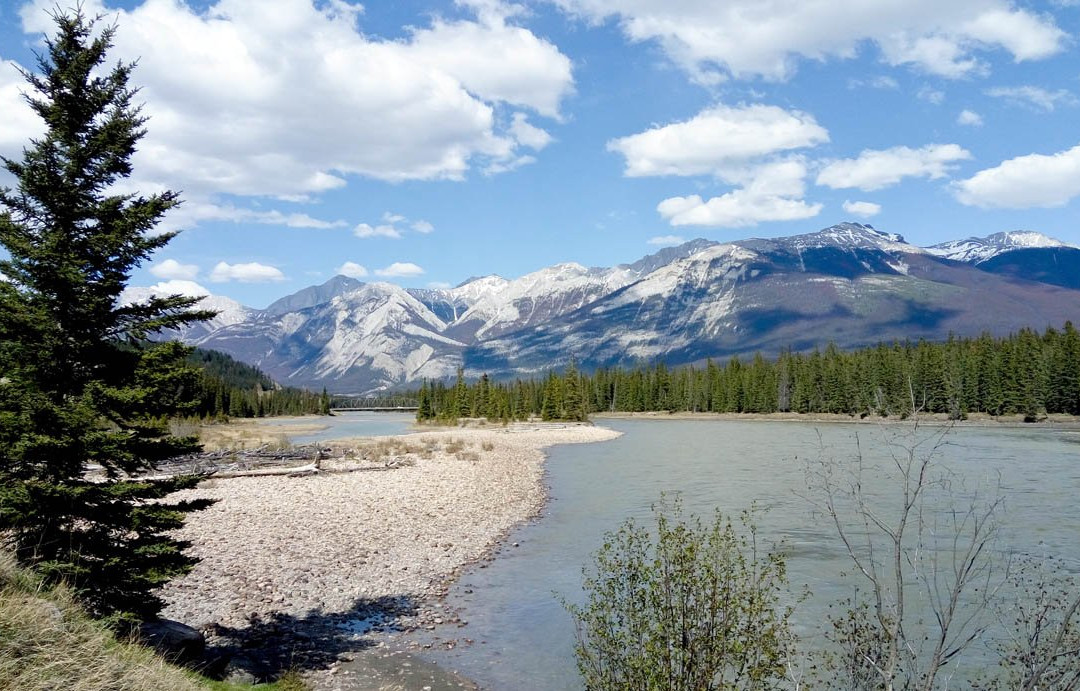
(310, 571)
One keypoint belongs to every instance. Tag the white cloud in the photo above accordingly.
(392, 227)
(969, 118)
(288, 103)
(1033, 96)
(1027, 36)
(191, 213)
(666, 240)
(363, 230)
(178, 287)
(873, 170)
(931, 95)
(251, 272)
(352, 270)
(862, 209)
(716, 140)
(400, 270)
(172, 269)
(498, 61)
(745, 38)
(769, 192)
(528, 135)
(19, 122)
(734, 209)
(1035, 180)
(878, 82)
(505, 166)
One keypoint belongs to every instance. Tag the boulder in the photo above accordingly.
(173, 640)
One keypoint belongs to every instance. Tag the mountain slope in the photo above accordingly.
(850, 284)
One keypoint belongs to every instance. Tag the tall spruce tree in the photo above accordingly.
(80, 385)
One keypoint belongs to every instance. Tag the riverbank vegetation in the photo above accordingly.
(695, 607)
(1026, 373)
(937, 599)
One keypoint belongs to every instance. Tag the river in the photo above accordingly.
(342, 425)
(522, 636)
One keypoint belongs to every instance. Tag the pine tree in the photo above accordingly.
(81, 387)
(573, 403)
(423, 407)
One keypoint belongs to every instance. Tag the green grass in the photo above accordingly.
(47, 642)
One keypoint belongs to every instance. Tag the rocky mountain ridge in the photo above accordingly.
(851, 284)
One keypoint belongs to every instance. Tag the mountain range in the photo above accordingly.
(850, 284)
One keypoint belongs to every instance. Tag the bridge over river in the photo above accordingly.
(378, 409)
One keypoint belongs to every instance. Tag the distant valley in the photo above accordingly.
(850, 284)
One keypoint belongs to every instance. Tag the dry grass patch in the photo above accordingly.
(46, 643)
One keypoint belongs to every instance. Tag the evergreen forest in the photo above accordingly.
(230, 388)
(1025, 373)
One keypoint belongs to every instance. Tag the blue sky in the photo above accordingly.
(425, 142)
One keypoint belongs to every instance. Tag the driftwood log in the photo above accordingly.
(299, 461)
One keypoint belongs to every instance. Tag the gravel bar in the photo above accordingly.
(378, 538)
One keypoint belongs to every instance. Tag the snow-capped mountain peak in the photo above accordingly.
(229, 311)
(854, 236)
(977, 250)
(476, 288)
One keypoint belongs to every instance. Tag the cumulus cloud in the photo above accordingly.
(363, 230)
(178, 287)
(716, 140)
(1035, 180)
(666, 240)
(172, 269)
(138, 294)
(1033, 97)
(528, 135)
(289, 103)
(20, 122)
(874, 170)
(251, 272)
(735, 209)
(394, 226)
(400, 270)
(770, 192)
(352, 270)
(862, 209)
(969, 118)
(746, 38)
(496, 60)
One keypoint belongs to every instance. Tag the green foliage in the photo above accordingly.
(230, 388)
(692, 607)
(81, 385)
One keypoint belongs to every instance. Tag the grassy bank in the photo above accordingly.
(48, 643)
